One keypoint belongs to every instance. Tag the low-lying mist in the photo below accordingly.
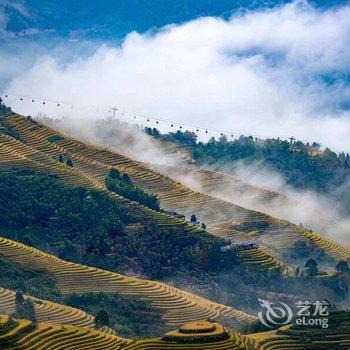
(325, 214)
(321, 213)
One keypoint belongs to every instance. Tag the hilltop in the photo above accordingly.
(303, 165)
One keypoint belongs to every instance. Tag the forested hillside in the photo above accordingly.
(88, 227)
(303, 165)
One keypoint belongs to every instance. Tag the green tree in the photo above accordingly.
(60, 158)
(29, 313)
(301, 249)
(114, 174)
(342, 267)
(69, 162)
(101, 319)
(126, 178)
(193, 218)
(24, 308)
(311, 267)
(19, 299)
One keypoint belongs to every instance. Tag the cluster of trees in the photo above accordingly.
(312, 268)
(128, 316)
(314, 259)
(91, 228)
(122, 184)
(54, 138)
(183, 138)
(4, 110)
(303, 165)
(16, 278)
(24, 308)
(66, 160)
(302, 251)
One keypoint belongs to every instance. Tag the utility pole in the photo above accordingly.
(114, 109)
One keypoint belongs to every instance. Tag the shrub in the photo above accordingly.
(54, 138)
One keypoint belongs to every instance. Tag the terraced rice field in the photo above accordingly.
(233, 342)
(225, 219)
(47, 311)
(289, 339)
(278, 234)
(94, 163)
(17, 155)
(178, 306)
(212, 182)
(222, 218)
(23, 334)
(26, 335)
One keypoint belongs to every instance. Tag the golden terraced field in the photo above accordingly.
(178, 306)
(62, 327)
(23, 334)
(92, 164)
(48, 311)
(222, 218)
(26, 335)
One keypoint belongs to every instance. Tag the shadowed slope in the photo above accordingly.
(336, 336)
(178, 306)
(95, 163)
(223, 218)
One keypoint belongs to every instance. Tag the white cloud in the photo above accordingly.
(259, 73)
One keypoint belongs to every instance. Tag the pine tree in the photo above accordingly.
(24, 308)
(126, 178)
(69, 162)
(311, 267)
(114, 174)
(101, 319)
(342, 267)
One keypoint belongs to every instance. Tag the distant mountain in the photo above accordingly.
(110, 19)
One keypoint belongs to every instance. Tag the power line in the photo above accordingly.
(148, 120)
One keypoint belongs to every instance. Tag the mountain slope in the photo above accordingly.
(46, 311)
(91, 165)
(178, 306)
(222, 218)
(24, 334)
